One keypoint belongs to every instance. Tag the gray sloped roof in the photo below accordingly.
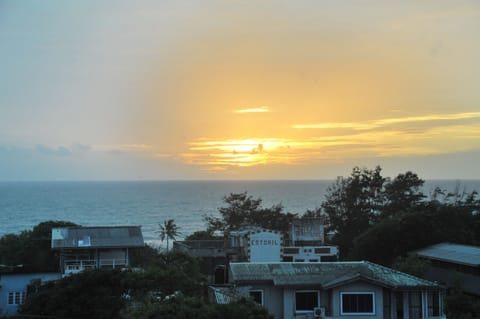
(97, 237)
(453, 253)
(325, 274)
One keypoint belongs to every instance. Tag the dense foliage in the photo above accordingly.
(31, 249)
(459, 305)
(181, 307)
(90, 294)
(202, 235)
(242, 209)
(382, 220)
(431, 223)
(170, 287)
(353, 204)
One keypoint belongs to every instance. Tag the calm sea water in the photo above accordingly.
(25, 204)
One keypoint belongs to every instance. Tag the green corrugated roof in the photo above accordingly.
(325, 274)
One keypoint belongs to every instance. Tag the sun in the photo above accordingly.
(237, 152)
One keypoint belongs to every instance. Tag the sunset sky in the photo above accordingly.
(154, 90)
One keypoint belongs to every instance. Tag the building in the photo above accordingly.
(303, 243)
(255, 245)
(357, 290)
(13, 289)
(82, 248)
(251, 244)
(453, 265)
(306, 242)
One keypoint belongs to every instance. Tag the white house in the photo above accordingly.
(359, 290)
(13, 289)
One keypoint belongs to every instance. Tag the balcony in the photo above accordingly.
(76, 266)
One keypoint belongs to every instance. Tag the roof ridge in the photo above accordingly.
(399, 272)
(90, 227)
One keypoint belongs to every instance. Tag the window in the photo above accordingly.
(16, 297)
(357, 303)
(306, 300)
(433, 304)
(257, 296)
(415, 305)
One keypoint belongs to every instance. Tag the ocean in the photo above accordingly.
(147, 204)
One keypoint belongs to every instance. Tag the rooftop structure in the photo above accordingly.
(326, 274)
(453, 265)
(95, 247)
(334, 290)
(97, 237)
(453, 253)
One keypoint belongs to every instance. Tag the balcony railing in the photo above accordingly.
(74, 266)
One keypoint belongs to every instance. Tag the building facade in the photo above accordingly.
(83, 248)
(13, 289)
(360, 290)
(305, 242)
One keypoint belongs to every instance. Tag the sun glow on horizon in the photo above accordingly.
(390, 137)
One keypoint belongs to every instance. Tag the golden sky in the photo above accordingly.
(318, 83)
(275, 89)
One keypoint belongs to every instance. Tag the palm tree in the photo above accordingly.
(168, 230)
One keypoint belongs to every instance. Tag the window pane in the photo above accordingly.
(306, 300)
(433, 304)
(257, 296)
(365, 303)
(10, 298)
(357, 303)
(415, 305)
(17, 297)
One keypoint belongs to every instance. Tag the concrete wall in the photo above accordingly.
(272, 299)
(18, 283)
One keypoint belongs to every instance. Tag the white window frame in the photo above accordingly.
(306, 290)
(17, 297)
(371, 293)
(11, 296)
(261, 294)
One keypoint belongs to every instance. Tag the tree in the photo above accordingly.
(31, 248)
(106, 293)
(168, 230)
(202, 235)
(89, 294)
(403, 193)
(244, 210)
(459, 305)
(428, 224)
(171, 287)
(412, 264)
(182, 307)
(239, 211)
(352, 204)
